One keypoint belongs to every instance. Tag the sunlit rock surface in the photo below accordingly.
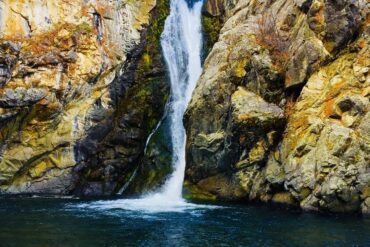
(281, 111)
(326, 149)
(73, 112)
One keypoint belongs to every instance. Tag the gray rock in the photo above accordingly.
(21, 97)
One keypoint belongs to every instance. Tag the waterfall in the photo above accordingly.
(181, 43)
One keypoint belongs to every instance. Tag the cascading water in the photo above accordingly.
(182, 46)
(181, 43)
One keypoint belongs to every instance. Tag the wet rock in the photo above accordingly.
(214, 7)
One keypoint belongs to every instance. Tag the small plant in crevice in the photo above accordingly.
(212, 26)
(289, 106)
(270, 37)
(291, 100)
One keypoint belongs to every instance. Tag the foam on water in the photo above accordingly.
(150, 205)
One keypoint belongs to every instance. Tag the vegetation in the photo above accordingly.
(269, 36)
(211, 27)
(289, 106)
(59, 37)
(151, 56)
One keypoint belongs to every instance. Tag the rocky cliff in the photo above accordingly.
(281, 111)
(80, 91)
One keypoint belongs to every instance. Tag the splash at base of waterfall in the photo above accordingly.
(150, 205)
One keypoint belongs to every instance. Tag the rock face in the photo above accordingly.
(281, 111)
(77, 96)
(325, 152)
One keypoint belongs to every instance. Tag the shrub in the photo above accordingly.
(270, 37)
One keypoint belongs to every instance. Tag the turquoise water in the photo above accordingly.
(65, 222)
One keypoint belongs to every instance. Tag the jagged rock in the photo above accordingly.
(219, 7)
(214, 7)
(82, 87)
(366, 207)
(231, 129)
(266, 52)
(329, 164)
(303, 4)
(21, 97)
(4, 74)
(6, 114)
(331, 25)
(66, 75)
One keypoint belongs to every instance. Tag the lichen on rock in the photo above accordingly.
(65, 66)
(280, 112)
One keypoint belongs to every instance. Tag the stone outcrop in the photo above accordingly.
(325, 152)
(280, 113)
(79, 94)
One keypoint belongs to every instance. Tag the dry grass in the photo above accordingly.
(269, 37)
(289, 106)
(52, 40)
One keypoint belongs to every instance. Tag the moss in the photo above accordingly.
(147, 60)
(144, 98)
(192, 192)
(84, 27)
(152, 91)
(55, 38)
(211, 28)
(284, 198)
(39, 169)
(304, 193)
(156, 164)
(152, 53)
(366, 192)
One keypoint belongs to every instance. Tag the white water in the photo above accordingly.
(182, 45)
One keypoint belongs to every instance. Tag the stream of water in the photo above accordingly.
(181, 43)
(182, 46)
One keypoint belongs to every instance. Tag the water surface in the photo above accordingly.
(64, 222)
